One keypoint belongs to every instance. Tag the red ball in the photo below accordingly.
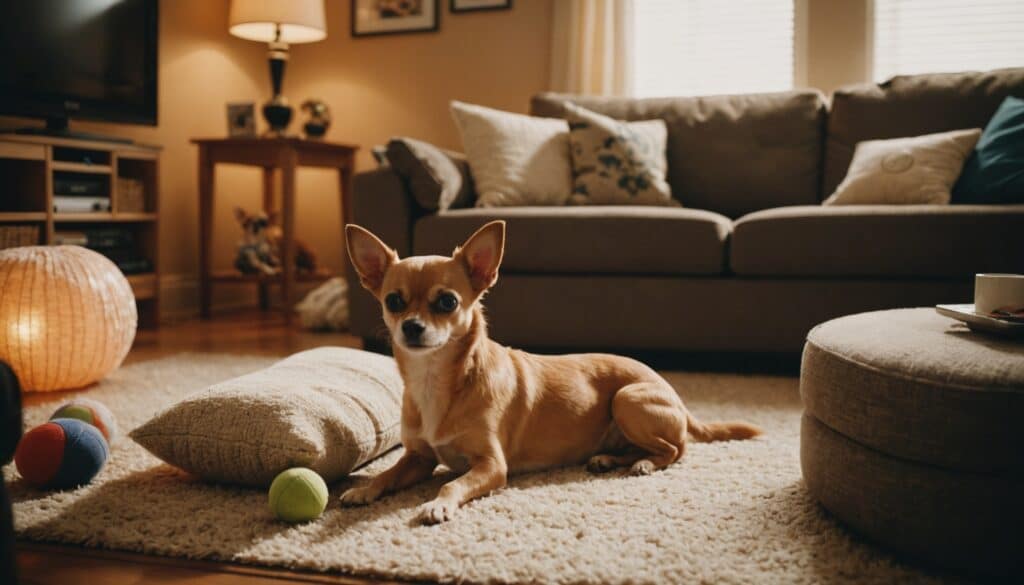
(40, 453)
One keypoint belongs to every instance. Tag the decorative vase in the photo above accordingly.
(67, 316)
(319, 118)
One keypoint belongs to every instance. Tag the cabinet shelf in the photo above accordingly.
(20, 216)
(102, 217)
(31, 167)
(81, 168)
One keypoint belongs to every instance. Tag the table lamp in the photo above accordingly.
(278, 23)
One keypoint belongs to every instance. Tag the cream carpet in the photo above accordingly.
(727, 513)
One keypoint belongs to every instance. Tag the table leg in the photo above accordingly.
(268, 208)
(206, 178)
(345, 180)
(288, 166)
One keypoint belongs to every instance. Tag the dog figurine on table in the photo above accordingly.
(262, 243)
(485, 410)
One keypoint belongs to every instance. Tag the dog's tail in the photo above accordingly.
(720, 431)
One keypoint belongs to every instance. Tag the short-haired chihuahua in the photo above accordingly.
(485, 410)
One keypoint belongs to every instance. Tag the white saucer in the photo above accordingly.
(978, 322)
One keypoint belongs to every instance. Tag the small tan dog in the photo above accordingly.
(485, 410)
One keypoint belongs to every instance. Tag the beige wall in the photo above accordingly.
(376, 87)
(837, 43)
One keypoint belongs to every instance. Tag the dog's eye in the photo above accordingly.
(394, 302)
(446, 303)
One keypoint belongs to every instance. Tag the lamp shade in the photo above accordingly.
(300, 21)
(67, 316)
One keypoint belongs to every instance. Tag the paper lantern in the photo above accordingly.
(67, 316)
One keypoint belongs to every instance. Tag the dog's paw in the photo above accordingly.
(359, 496)
(436, 512)
(602, 463)
(642, 467)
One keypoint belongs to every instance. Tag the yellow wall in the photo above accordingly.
(837, 43)
(377, 87)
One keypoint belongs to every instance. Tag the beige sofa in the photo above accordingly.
(752, 261)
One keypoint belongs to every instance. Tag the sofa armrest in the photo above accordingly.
(382, 204)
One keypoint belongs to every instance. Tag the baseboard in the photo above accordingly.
(179, 296)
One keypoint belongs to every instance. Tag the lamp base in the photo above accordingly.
(278, 115)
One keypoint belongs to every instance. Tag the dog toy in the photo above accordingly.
(298, 494)
(62, 453)
(92, 412)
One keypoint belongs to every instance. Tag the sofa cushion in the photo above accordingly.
(911, 105)
(437, 178)
(906, 171)
(879, 240)
(995, 172)
(729, 154)
(589, 240)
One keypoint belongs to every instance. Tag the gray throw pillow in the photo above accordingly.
(438, 179)
(617, 163)
(330, 409)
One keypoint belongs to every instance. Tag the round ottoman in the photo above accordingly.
(913, 436)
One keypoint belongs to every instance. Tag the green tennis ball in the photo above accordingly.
(298, 495)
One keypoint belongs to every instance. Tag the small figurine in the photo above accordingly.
(319, 118)
(255, 252)
(259, 251)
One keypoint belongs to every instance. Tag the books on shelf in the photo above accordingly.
(80, 204)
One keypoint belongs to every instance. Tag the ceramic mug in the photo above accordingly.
(1004, 292)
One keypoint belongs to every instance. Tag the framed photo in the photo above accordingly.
(387, 17)
(242, 120)
(475, 5)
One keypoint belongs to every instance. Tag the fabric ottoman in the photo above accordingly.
(913, 436)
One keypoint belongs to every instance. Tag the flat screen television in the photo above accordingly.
(87, 59)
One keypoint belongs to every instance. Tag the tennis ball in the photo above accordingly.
(61, 453)
(92, 412)
(298, 495)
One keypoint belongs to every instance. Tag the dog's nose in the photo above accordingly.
(412, 329)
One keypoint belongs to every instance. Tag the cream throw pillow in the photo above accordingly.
(330, 409)
(617, 163)
(515, 159)
(903, 171)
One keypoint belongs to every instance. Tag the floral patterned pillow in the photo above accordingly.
(617, 163)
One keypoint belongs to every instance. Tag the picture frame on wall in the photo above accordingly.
(391, 17)
(477, 5)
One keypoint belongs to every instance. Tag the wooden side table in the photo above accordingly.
(271, 154)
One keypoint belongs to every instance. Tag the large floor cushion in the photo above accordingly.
(911, 435)
(731, 154)
(939, 241)
(911, 105)
(590, 240)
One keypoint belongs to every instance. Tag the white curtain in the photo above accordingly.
(592, 47)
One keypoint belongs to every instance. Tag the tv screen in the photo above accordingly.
(90, 59)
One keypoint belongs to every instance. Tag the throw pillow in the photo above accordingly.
(437, 179)
(615, 162)
(330, 409)
(515, 159)
(995, 172)
(917, 170)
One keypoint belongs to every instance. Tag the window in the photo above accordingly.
(923, 36)
(704, 47)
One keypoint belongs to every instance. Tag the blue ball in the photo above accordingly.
(85, 452)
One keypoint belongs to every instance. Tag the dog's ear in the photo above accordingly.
(370, 257)
(240, 215)
(482, 253)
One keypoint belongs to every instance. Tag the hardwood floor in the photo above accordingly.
(242, 333)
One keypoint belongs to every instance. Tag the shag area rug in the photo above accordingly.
(727, 513)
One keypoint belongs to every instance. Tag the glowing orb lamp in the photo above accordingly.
(67, 316)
